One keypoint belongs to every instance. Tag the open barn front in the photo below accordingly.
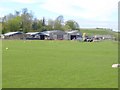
(42, 37)
(73, 37)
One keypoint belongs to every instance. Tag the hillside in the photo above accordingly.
(94, 31)
(99, 31)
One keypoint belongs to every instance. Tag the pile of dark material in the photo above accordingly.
(88, 39)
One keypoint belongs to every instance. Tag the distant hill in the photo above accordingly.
(99, 31)
(94, 31)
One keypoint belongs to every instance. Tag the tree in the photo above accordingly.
(35, 24)
(43, 22)
(10, 16)
(44, 27)
(26, 20)
(23, 21)
(40, 25)
(60, 19)
(10, 23)
(67, 28)
(50, 25)
(17, 13)
(13, 24)
(4, 24)
(72, 24)
(58, 24)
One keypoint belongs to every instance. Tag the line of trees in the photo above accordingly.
(24, 21)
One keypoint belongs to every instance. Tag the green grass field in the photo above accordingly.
(59, 64)
(0, 64)
(99, 31)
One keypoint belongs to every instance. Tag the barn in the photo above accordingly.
(14, 35)
(35, 36)
(74, 34)
(104, 37)
(54, 34)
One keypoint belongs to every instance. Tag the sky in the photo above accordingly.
(88, 13)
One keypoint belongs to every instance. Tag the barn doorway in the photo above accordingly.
(42, 37)
(73, 37)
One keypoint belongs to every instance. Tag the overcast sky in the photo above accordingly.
(88, 13)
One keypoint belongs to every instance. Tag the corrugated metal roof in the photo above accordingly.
(11, 33)
(73, 31)
(32, 33)
(46, 33)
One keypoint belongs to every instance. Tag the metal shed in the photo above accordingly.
(55, 34)
(74, 34)
(14, 35)
(35, 35)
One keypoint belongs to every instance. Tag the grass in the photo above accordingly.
(92, 32)
(59, 64)
(0, 64)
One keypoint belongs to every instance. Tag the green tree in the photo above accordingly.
(58, 23)
(72, 24)
(11, 24)
(40, 25)
(44, 26)
(50, 25)
(3, 19)
(26, 20)
(67, 28)
(14, 24)
(35, 24)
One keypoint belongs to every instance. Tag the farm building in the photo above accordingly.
(74, 34)
(61, 35)
(49, 35)
(55, 34)
(35, 35)
(109, 37)
(14, 35)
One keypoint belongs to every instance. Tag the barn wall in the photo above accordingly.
(16, 36)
